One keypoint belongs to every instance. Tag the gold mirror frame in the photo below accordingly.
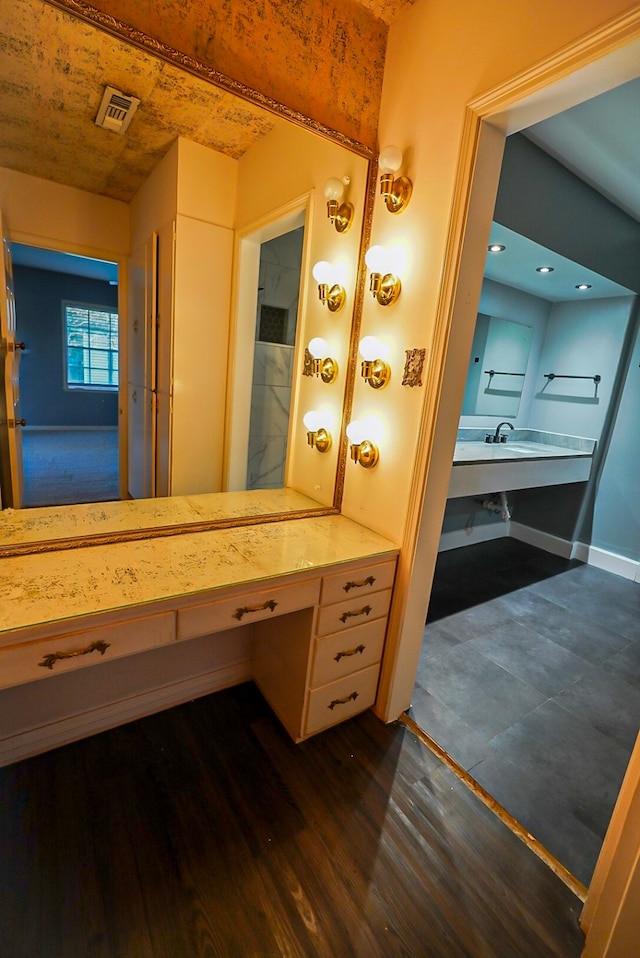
(125, 32)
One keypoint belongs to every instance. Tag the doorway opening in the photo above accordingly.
(67, 317)
(274, 348)
(532, 617)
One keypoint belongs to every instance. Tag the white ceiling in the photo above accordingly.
(599, 141)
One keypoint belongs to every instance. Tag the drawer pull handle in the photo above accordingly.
(365, 610)
(50, 659)
(243, 610)
(349, 698)
(359, 649)
(358, 585)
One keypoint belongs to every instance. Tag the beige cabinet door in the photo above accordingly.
(11, 467)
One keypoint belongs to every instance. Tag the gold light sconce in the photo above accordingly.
(331, 293)
(318, 436)
(340, 214)
(383, 282)
(322, 365)
(396, 190)
(363, 449)
(374, 370)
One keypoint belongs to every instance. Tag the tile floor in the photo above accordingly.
(530, 678)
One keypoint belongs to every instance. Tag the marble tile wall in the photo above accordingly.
(270, 401)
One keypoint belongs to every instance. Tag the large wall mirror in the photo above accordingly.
(497, 367)
(192, 205)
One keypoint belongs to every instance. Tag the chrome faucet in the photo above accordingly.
(497, 437)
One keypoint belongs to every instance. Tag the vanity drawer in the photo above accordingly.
(358, 582)
(357, 611)
(342, 653)
(245, 608)
(340, 700)
(74, 650)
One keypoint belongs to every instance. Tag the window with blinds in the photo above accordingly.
(91, 346)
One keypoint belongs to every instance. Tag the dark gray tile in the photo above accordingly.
(475, 620)
(590, 640)
(608, 611)
(463, 742)
(480, 692)
(626, 664)
(532, 658)
(583, 767)
(542, 812)
(607, 703)
(436, 639)
(608, 585)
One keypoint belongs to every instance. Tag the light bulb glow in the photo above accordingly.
(356, 432)
(390, 159)
(313, 420)
(334, 189)
(318, 347)
(322, 272)
(375, 258)
(370, 348)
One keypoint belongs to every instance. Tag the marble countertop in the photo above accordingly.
(31, 526)
(54, 586)
(521, 444)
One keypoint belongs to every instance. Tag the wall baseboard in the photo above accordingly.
(542, 540)
(74, 727)
(609, 561)
(458, 538)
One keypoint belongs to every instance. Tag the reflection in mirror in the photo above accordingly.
(140, 202)
(497, 367)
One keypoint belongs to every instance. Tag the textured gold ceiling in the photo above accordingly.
(387, 10)
(53, 71)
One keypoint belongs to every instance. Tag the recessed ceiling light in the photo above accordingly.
(496, 248)
(583, 286)
(544, 269)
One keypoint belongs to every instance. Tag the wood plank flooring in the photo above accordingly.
(204, 831)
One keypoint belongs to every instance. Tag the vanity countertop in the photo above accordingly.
(53, 586)
(30, 526)
(520, 444)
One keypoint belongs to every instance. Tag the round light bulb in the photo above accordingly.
(321, 272)
(334, 188)
(375, 259)
(390, 159)
(356, 432)
(369, 348)
(312, 420)
(318, 347)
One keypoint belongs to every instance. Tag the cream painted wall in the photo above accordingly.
(288, 169)
(41, 213)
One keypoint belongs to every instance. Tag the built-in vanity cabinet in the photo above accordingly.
(315, 625)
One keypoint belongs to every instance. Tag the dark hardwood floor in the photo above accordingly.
(204, 831)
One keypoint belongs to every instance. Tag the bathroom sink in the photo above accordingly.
(481, 467)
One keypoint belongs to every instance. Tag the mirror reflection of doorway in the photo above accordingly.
(276, 323)
(67, 317)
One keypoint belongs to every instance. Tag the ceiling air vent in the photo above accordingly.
(116, 110)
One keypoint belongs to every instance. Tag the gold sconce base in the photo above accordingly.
(397, 193)
(320, 440)
(335, 298)
(343, 217)
(365, 453)
(376, 372)
(385, 289)
(327, 370)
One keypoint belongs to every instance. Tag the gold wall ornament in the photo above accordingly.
(413, 366)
